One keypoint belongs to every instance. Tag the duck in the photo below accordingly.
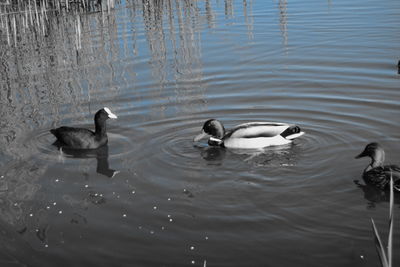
(376, 173)
(81, 138)
(251, 135)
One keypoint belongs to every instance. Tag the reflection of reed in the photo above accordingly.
(17, 18)
(173, 40)
(283, 21)
(248, 16)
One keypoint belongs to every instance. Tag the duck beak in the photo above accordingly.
(200, 136)
(109, 113)
(362, 154)
(112, 116)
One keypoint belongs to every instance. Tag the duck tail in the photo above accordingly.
(292, 132)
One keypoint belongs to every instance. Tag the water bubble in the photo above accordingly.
(124, 215)
(133, 192)
(169, 216)
(154, 208)
(151, 232)
(192, 248)
(60, 212)
(56, 180)
(48, 207)
(54, 203)
(206, 238)
(46, 246)
(162, 227)
(31, 214)
(193, 262)
(170, 220)
(86, 185)
(169, 199)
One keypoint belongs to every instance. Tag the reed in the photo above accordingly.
(386, 256)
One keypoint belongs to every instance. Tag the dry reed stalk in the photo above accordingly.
(386, 257)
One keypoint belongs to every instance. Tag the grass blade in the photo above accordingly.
(379, 246)
(390, 238)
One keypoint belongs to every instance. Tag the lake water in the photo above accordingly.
(152, 197)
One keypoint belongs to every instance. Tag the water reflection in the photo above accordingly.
(101, 155)
(287, 155)
(214, 155)
(374, 195)
(283, 22)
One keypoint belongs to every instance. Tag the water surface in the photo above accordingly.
(152, 197)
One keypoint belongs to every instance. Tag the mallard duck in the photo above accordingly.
(81, 138)
(376, 173)
(252, 135)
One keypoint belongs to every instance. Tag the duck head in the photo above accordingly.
(104, 114)
(376, 153)
(212, 129)
(100, 119)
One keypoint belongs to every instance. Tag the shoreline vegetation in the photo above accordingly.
(18, 17)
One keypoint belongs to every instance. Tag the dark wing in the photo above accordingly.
(380, 176)
(74, 137)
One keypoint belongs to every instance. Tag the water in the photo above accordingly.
(152, 197)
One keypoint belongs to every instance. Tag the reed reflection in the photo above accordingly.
(283, 22)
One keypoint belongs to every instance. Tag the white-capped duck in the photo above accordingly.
(81, 138)
(252, 135)
(376, 173)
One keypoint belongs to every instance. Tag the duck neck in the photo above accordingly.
(100, 128)
(377, 160)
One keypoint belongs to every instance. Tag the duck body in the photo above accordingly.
(252, 135)
(81, 138)
(376, 173)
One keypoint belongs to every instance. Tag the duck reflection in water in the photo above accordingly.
(375, 195)
(273, 156)
(101, 155)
